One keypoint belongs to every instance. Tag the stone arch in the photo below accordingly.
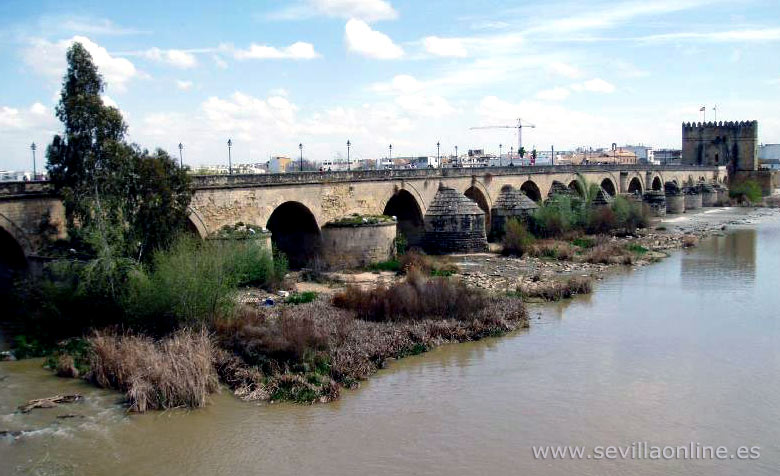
(531, 190)
(478, 196)
(295, 232)
(609, 186)
(576, 186)
(13, 258)
(406, 208)
(702, 179)
(657, 184)
(635, 186)
(195, 223)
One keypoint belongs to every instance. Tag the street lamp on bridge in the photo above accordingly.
(230, 159)
(349, 144)
(181, 158)
(33, 147)
(300, 148)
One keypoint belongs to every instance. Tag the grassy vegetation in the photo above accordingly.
(174, 372)
(747, 191)
(392, 265)
(301, 298)
(556, 290)
(415, 298)
(517, 239)
(306, 353)
(356, 220)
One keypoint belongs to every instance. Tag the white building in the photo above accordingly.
(644, 154)
(333, 165)
(15, 176)
(769, 152)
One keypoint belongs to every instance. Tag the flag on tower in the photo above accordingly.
(702, 109)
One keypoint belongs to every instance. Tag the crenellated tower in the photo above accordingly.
(733, 144)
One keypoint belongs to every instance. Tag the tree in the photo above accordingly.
(117, 197)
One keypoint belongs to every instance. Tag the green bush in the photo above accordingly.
(301, 298)
(748, 190)
(556, 217)
(193, 281)
(517, 239)
(390, 265)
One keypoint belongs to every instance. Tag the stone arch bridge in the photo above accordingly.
(301, 204)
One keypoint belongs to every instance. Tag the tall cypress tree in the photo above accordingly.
(116, 195)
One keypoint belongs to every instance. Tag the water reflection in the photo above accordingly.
(722, 261)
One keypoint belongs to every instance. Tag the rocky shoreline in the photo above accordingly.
(497, 273)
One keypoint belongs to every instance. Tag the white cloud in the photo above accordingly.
(34, 119)
(183, 85)
(39, 109)
(90, 26)
(445, 46)
(588, 18)
(48, 59)
(402, 83)
(425, 106)
(221, 64)
(563, 69)
(553, 94)
(365, 41)
(246, 115)
(109, 101)
(596, 85)
(367, 10)
(178, 58)
(746, 35)
(298, 50)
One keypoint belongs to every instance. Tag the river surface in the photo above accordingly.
(686, 350)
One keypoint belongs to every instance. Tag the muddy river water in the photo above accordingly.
(684, 351)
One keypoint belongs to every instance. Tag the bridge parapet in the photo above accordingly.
(293, 178)
(25, 189)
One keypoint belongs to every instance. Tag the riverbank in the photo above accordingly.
(505, 274)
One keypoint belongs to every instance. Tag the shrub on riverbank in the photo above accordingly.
(557, 290)
(517, 239)
(154, 375)
(747, 191)
(305, 353)
(413, 299)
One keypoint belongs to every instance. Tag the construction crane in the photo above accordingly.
(519, 127)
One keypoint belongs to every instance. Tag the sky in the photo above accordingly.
(272, 74)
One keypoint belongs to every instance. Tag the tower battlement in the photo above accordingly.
(730, 143)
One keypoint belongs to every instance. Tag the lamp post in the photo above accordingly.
(457, 159)
(35, 171)
(230, 159)
(391, 152)
(500, 148)
(349, 144)
(511, 156)
(181, 158)
(438, 154)
(300, 147)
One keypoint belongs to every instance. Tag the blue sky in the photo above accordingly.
(272, 74)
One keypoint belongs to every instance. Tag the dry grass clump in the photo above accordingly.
(689, 241)
(415, 259)
(174, 372)
(553, 249)
(415, 298)
(610, 253)
(557, 290)
(306, 353)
